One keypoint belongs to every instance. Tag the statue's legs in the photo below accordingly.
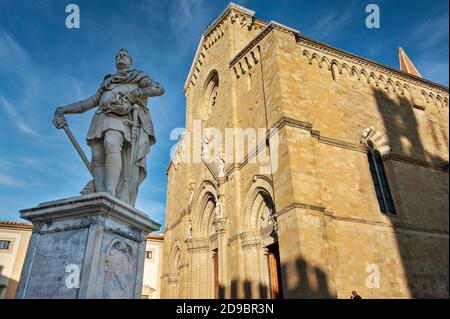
(113, 160)
(98, 165)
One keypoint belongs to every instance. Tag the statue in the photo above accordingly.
(191, 193)
(205, 145)
(121, 131)
(218, 209)
(220, 165)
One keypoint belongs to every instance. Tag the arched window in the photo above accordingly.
(380, 182)
(210, 94)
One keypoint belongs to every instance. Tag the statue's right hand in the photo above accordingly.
(59, 111)
(58, 120)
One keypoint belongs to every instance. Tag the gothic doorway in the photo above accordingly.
(216, 273)
(273, 259)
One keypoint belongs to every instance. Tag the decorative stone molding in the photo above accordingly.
(249, 240)
(376, 141)
(183, 213)
(250, 60)
(220, 225)
(173, 277)
(232, 14)
(213, 242)
(251, 47)
(197, 244)
(372, 71)
(300, 205)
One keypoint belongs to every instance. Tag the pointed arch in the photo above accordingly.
(373, 78)
(355, 72)
(307, 55)
(382, 81)
(205, 199)
(175, 258)
(326, 61)
(259, 192)
(375, 140)
(338, 65)
(366, 75)
(347, 68)
(426, 97)
(316, 57)
(399, 88)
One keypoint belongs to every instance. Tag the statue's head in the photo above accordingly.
(123, 60)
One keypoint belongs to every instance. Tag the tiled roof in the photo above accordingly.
(15, 224)
(155, 236)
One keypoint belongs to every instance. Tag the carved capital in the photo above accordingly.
(220, 225)
(173, 277)
(249, 240)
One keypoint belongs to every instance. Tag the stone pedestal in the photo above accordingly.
(90, 246)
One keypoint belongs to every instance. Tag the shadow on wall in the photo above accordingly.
(311, 284)
(8, 286)
(420, 196)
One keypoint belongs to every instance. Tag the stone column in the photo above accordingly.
(220, 225)
(198, 249)
(90, 246)
(173, 282)
(251, 248)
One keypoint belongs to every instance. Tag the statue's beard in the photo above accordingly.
(122, 65)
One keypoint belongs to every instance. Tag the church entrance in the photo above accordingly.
(273, 258)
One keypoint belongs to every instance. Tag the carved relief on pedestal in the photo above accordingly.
(118, 268)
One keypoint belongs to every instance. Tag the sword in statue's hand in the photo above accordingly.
(60, 123)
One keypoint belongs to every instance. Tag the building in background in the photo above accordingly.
(14, 239)
(151, 288)
(354, 195)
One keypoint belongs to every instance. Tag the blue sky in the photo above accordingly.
(43, 65)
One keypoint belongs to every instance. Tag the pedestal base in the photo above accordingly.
(90, 246)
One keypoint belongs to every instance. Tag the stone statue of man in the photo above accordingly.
(121, 130)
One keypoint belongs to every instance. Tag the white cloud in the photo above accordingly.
(431, 43)
(16, 62)
(330, 23)
(185, 14)
(10, 181)
(432, 32)
(16, 116)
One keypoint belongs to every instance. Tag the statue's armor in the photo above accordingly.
(114, 107)
(105, 119)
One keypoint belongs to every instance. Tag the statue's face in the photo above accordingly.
(123, 60)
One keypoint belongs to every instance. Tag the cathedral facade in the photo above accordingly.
(346, 190)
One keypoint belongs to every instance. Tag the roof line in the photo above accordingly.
(399, 72)
(210, 27)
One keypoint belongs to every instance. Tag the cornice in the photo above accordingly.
(232, 12)
(271, 26)
(364, 62)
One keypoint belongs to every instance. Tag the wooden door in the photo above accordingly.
(274, 272)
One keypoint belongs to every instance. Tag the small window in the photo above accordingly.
(380, 183)
(149, 254)
(4, 244)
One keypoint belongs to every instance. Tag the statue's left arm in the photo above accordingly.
(147, 88)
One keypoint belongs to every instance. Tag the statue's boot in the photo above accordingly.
(98, 172)
(113, 166)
